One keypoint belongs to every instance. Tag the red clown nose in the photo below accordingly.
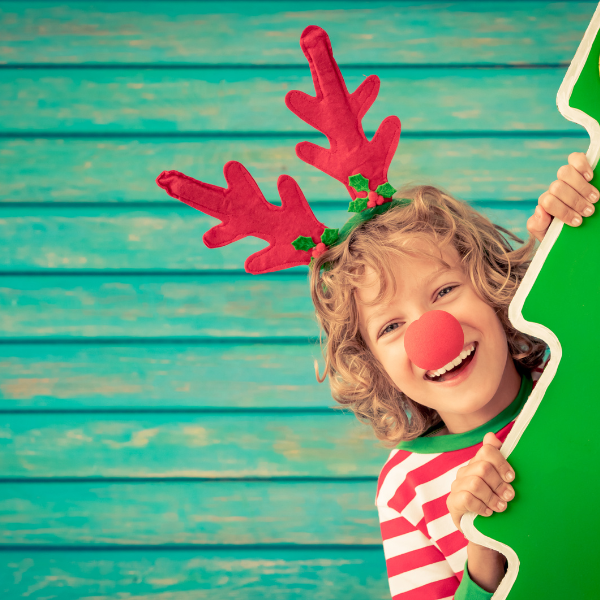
(434, 340)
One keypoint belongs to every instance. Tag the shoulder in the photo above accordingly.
(404, 471)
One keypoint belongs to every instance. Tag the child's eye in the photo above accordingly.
(443, 292)
(391, 327)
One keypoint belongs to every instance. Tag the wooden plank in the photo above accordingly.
(229, 445)
(146, 306)
(161, 377)
(251, 100)
(265, 33)
(220, 512)
(151, 238)
(113, 170)
(248, 574)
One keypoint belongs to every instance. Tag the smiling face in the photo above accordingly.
(478, 389)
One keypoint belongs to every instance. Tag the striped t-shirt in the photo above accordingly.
(424, 551)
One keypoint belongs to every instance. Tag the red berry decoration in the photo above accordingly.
(371, 204)
(434, 340)
(379, 200)
(319, 249)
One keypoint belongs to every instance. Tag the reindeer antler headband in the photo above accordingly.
(294, 234)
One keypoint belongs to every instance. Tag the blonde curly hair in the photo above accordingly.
(357, 379)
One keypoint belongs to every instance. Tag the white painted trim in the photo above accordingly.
(515, 309)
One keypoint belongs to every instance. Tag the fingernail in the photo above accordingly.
(576, 221)
(507, 495)
(594, 197)
(588, 211)
(488, 512)
(501, 505)
(589, 176)
(510, 476)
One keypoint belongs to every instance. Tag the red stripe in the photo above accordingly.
(434, 468)
(451, 543)
(390, 464)
(431, 591)
(395, 527)
(435, 509)
(422, 527)
(413, 560)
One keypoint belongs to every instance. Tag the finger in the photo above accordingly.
(538, 223)
(580, 162)
(557, 208)
(462, 502)
(585, 193)
(485, 482)
(491, 453)
(491, 438)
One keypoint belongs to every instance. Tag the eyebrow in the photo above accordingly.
(427, 282)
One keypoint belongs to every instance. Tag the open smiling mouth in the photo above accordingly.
(454, 367)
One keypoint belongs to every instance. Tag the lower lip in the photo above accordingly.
(460, 375)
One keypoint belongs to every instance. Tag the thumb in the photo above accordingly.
(538, 223)
(490, 438)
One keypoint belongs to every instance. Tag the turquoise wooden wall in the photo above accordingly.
(162, 434)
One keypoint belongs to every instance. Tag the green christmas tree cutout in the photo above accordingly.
(549, 531)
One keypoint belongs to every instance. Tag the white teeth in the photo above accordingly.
(452, 363)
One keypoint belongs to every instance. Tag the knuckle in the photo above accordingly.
(555, 187)
(472, 484)
(563, 171)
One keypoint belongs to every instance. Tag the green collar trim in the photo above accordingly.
(367, 214)
(458, 441)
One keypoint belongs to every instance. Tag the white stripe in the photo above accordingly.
(458, 559)
(387, 514)
(401, 544)
(431, 490)
(396, 476)
(441, 527)
(417, 578)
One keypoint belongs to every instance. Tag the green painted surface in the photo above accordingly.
(114, 170)
(175, 512)
(419, 32)
(252, 574)
(165, 376)
(153, 238)
(556, 452)
(243, 100)
(188, 446)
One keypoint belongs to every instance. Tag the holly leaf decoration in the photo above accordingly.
(385, 190)
(330, 236)
(359, 183)
(303, 243)
(358, 205)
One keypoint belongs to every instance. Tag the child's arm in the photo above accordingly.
(481, 487)
(569, 198)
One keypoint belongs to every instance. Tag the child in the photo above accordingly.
(436, 253)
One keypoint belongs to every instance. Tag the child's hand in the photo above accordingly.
(569, 198)
(480, 486)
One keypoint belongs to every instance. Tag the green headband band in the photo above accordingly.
(358, 219)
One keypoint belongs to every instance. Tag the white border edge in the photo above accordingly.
(516, 306)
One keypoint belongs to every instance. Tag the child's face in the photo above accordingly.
(464, 400)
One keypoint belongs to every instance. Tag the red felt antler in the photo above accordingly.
(338, 115)
(293, 232)
(244, 211)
